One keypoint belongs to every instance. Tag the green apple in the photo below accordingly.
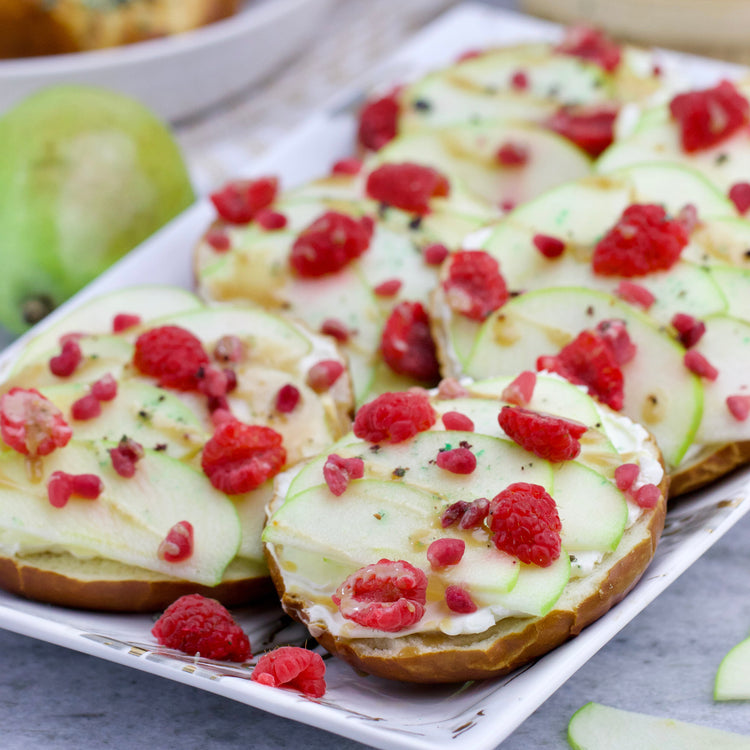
(733, 676)
(596, 726)
(86, 174)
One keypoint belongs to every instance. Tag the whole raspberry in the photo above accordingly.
(292, 667)
(331, 242)
(407, 186)
(643, 240)
(240, 457)
(31, 424)
(590, 127)
(591, 44)
(171, 354)
(195, 625)
(473, 285)
(378, 122)
(548, 437)
(239, 201)
(525, 523)
(389, 595)
(407, 345)
(394, 417)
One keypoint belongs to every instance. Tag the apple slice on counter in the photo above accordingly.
(596, 726)
(733, 676)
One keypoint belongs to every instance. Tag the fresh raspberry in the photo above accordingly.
(526, 524)
(229, 349)
(350, 165)
(708, 117)
(378, 122)
(739, 406)
(388, 288)
(474, 286)
(449, 388)
(407, 186)
(699, 365)
(454, 420)
(519, 80)
(548, 437)
(171, 354)
(270, 220)
(591, 44)
(330, 243)
(647, 496)
(512, 154)
(614, 333)
(389, 595)
(689, 330)
(591, 361)
(394, 417)
(66, 362)
(287, 399)
(125, 456)
(336, 328)
(294, 668)
(338, 472)
(434, 255)
(635, 294)
(218, 239)
(457, 461)
(195, 625)
(625, 476)
(590, 127)
(62, 486)
(739, 194)
(549, 247)
(240, 200)
(31, 424)
(459, 601)
(521, 390)
(445, 551)
(240, 457)
(322, 375)
(407, 345)
(177, 545)
(85, 408)
(123, 321)
(104, 389)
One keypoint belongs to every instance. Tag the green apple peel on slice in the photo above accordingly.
(733, 676)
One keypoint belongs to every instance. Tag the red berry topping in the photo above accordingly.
(699, 365)
(336, 328)
(635, 294)
(287, 398)
(454, 420)
(123, 321)
(591, 128)
(240, 200)
(435, 254)
(469, 54)
(62, 486)
(643, 240)
(31, 424)
(294, 668)
(218, 239)
(589, 360)
(457, 461)
(444, 552)
(525, 524)
(591, 44)
(549, 247)
(474, 286)
(739, 194)
(521, 390)
(647, 496)
(213, 382)
(458, 600)
(450, 388)
(625, 476)
(474, 514)
(453, 512)
(350, 165)
(388, 288)
(195, 624)
(512, 154)
(240, 457)
(378, 122)
(104, 389)
(519, 80)
(322, 375)
(338, 472)
(739, 407)
(270, 220)
(548, 437)
(229, 349)
(615, 335)
(171, 354)
(689, 330)
(388, 595)
(708, 117)
(65, 363)
(330, 243)
(407, 345)
(178, 543)
(394, 417)
(125, 456)
(407, 186)
(86, 407)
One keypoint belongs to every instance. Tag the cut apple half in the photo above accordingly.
(733, 676)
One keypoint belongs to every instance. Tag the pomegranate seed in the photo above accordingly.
(454, 420)
(178, 544)
(739, 194)
(59, 489)
(350, 165)
(457, 461)
(625, 475)
(550, 247)
(475, 513)
(689, 330)
(699, 365)
(87, 486)
(322, 375)
(219, 240)
(104, 389)
(122, 321)
(229, 349)
(338, 472)
(521, 390)
(125, 456)
(86, 407)
(450, 388)
(458, 600)
(519, 80)
(336, 328)
(635, 294)
(388, 288)
(647, 496)
(270, 220)
(435, 254)
(512, 155)
(444, 552)
(64, 364)
(287, 398)
(739, 407)
(212, 382)
(453, 512)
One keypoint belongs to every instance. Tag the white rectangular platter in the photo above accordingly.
(376, 712)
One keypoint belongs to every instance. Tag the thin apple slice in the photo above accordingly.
(595, 726)
(734, 284)
(733, 676)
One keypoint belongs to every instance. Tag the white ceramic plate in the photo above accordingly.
(384, 714)
(182, 75)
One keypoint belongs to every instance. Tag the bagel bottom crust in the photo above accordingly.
(510, 643)
(711, 464)
(109, 587)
